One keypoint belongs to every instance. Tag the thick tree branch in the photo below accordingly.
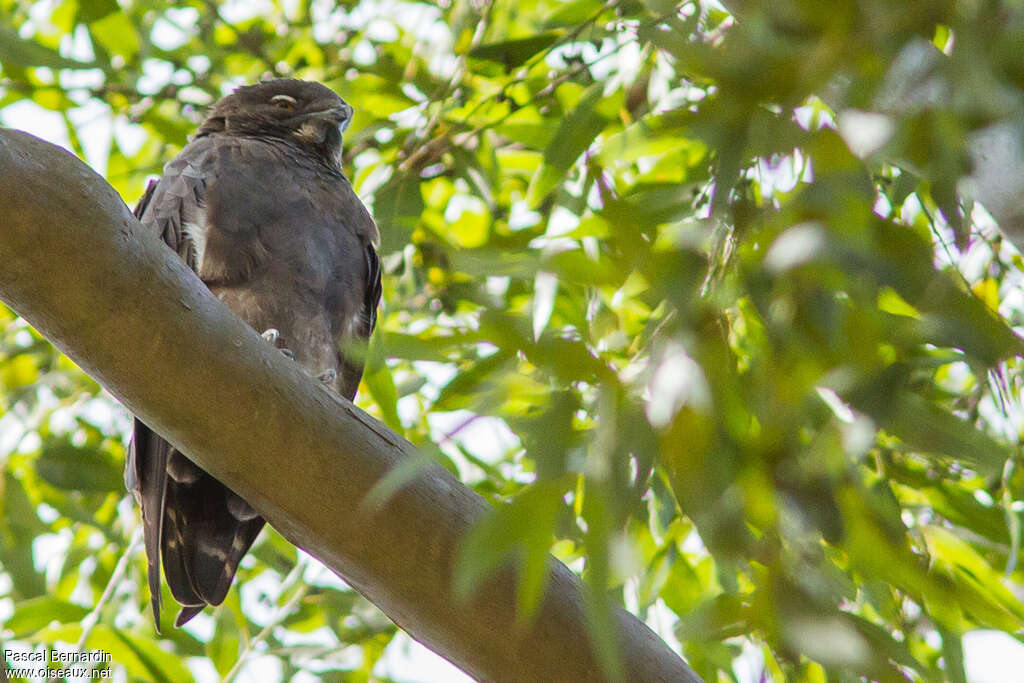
(77, 265)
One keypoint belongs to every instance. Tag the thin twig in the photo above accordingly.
(282, 613)
(93, 617)
(1013, 526)
(445, 91)
(429, 148)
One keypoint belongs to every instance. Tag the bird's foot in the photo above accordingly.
(328, 377)
(273, 336)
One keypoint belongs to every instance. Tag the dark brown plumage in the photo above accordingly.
(258, 206)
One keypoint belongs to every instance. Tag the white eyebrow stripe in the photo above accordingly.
(284, 98)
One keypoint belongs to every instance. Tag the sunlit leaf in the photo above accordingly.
(33, 614)
(591, 112)
(116, 33)
(520, 532)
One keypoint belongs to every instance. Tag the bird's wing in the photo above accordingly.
(194, 523)
(362, 224)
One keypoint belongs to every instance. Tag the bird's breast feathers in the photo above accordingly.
(256, 197)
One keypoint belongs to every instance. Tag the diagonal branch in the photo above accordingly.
(77, 265)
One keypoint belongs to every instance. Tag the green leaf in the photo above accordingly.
(459, 392)
(66, 466)
(161, 665)
(397, 206)
(35, 613)
(963, 321)
(686, 585)
(573, 12)
(225, 649)
(531, 131)
(19, 370)
(642, 139)
(116, 33)
(16, 50)
(978, 586)
(414, 347)
(397, 477)
(521, 530)
(94, 10)
(379, 381)
(513, 53)
(721, 617)
(471, 229)
(19, 524)
(953, 654)
(954, 502)
(141, 656)
(929, 428)
(590, 115)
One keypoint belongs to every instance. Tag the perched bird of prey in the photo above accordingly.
(258, 206)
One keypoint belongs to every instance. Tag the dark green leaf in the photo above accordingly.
(16, 50)
(513, 53)
(84, 469)
(397, 207)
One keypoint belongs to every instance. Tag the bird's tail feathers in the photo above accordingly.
(207, 531)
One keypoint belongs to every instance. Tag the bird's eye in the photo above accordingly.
(283, 101)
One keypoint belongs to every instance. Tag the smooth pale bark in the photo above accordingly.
(77, 265)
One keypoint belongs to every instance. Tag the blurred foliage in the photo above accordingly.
(689, 296)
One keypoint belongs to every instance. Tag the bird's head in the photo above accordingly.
(305, 113)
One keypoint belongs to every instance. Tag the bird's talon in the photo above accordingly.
(272, 336)
(328, 376)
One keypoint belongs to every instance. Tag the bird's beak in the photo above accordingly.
(316, 125)
(339, 115)
(346, 117)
